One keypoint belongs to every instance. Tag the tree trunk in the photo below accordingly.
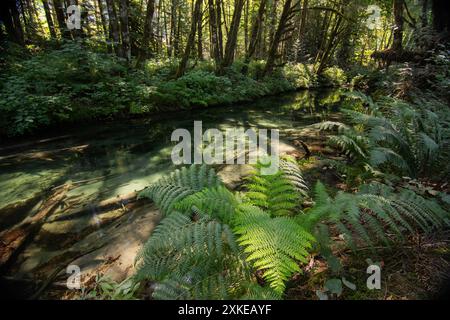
(191, 40)
(114, 27)
(9, 14)
(277, 37)
(424, 14)
(48, 16)
(173, 28)
(219, 28)
(441, 14)
(148, 32)
(124, 29)
(304, 17)
(158, 34)
(273, 20)
(232, 36)
(104, 26)
(200, 34)
(213, 29)
(246, 13)
(329, 46)
(61, 17)
(256, 30)
(398, 26)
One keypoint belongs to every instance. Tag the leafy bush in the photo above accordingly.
(300, 76)
(70, 83)
(333, 76)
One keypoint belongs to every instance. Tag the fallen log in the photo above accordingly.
(12, 240)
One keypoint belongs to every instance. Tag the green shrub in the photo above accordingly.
(60, 85)
(300, 75)
(333, 76)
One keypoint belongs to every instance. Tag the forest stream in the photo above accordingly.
(90, 177)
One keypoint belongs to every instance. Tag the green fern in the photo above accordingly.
(393, 136)
(180, 184)
(256, 292)
(273, 245)
(291, 171)
(216, 202)
(224, 278)
(279, 193)
(192, 260)
(372, 215)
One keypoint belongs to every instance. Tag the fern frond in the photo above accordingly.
(192, 260)
(352, 145)
(273, 245)
(216, 202)
(332, 125)
(279, 193)
(217, 283)
(180, 184)
(256, 292)
(178, 242)
(379, 156)
(293, 174)
(373, 214)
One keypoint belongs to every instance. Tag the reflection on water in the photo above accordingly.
(105, 161)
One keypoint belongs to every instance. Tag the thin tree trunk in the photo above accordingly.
(329, 46)
(148, 33)
(246, 13)
(277, 37)
(104, 26)
(200, 34)
(61, 17)
(256, 30)
(424, 14)
(28, 10)
(173, 28)
(158, 34)
(398, 27)
(9, 14)
(48, 16)
(230, 46)
(124, 29)
(113, 26)
(304, 18)
(178, 36)
(213, 27)
(168, 44)
(219, 28)
(273, 20)
(191, 40)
